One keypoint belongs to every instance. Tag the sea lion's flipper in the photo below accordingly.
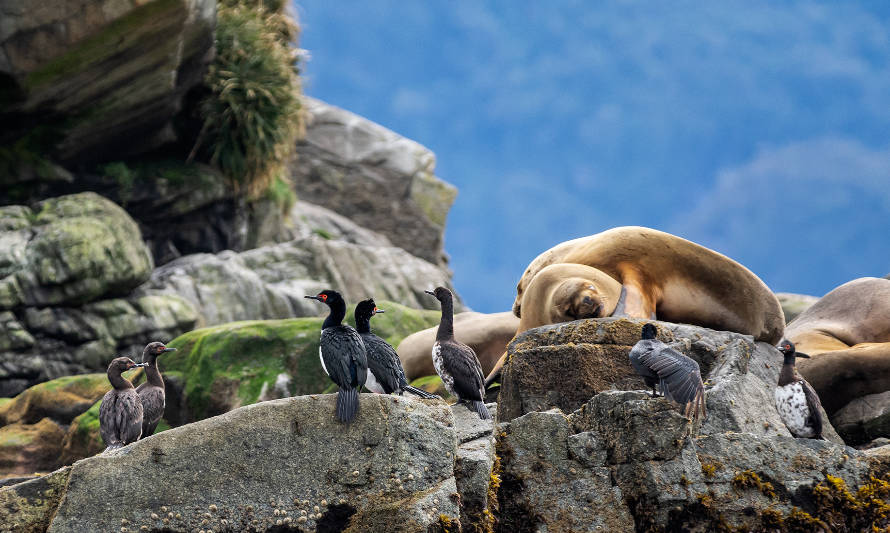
(632, 304)
(495, 373)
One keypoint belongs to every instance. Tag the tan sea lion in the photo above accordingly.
(487, 334)
(847, 335)
(668, 278)
(672, 279)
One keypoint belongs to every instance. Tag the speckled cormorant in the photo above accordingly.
(796, 401)
(342, 354)
(385, 372)
(455, 362)
(152, 391)
(120, 414)
(677, 375)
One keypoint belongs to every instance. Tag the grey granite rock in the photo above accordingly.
(373, 176)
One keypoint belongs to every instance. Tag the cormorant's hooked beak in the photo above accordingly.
(165, 350)
(376, 310)
(431, 293)
(138, 365)
(312, 297)
(801, 354)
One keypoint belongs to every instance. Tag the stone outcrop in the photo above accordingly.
(590, 356)
(68, 267)
(374, 177)
(106, 72)
(270, 282)
(273, 466)
(864, 419)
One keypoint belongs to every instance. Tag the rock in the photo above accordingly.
(83, 438)
(625, 462)
(794, 304)
(29, 507)
(80, 247)
(110, 72)
(391, 469)
(270, 282)
(586, 357)
(309, 219)
(29, 448)
(60, 400)
(473, 466)
(864, 419)
(374, 177)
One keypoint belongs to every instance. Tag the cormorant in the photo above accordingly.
(796, 401)
(152, 391)
(120, 414)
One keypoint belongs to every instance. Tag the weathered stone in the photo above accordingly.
(473, 465)
(270, 282)
(391, 469)
(586, 357)
(864, 419)
(29, 448)
(29, 507)
(111, 71)
(389, 179)
(81, 247)
(794, 304)
(544, 489)
(60, 400)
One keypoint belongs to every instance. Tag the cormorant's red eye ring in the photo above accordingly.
(323, 297)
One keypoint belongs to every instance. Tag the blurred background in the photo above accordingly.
(758, 129)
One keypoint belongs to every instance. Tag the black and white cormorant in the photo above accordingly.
(455, 362)
(120, 414)
(152, 391)
(796, 401)
(385, 372)
(677, 375)
(342, 354)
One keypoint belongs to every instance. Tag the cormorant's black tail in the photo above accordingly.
(420, 392)
(347, 404)
(480, 408)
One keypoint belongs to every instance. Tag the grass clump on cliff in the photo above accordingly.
(251, 118)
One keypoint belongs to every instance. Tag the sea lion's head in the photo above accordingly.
(577, 298)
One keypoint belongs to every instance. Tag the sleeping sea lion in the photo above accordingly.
(847, 335)
(486, 334)
(663, 277)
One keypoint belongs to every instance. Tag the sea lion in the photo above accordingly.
(487, 334)
(847, 335)
(671, 279)
(662, 277)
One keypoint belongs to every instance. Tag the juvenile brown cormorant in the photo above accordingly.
(120, 414)
(152, 391)
(677, 375)
(796, 401)
(385, 372)
(455, 362)
(342, 354)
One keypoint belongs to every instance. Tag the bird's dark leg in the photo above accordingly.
(654, 392)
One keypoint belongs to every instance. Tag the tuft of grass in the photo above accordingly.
(281, 193)
(252, 114)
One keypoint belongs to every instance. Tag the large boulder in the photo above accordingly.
(105, 73)
(864, 419)
(270, 282)
(627, 462)
(283, 465)
(564, 365)
(69, 266)
(373, 176)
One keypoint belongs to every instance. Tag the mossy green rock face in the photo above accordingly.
(112, 73)
(60, 399)
(240, 363)
(29, 507)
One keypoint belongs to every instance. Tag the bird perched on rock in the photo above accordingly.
(385, 372)
(342, 354)
(151, 393)
(677, 375)
(796, 401)
(455, 362)
(120, 414)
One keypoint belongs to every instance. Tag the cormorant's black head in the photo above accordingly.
(441, 293)
(327, 296)
(154, 349)
(119, 365)
(788, 350)
(649, 331)
(366, 309)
